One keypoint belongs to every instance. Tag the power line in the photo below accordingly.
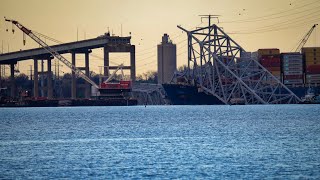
(278, 29)
(266, 16)
(281, 25)
(277, 17)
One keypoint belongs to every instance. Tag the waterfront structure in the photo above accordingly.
(167, 60)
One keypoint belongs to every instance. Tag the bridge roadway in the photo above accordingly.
(108, 43)
(94, 43)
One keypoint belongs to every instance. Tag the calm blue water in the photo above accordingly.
(161, 142)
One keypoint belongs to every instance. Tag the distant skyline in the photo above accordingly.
(253, 24)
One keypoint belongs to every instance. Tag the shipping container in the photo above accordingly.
(310, 49)
(275, 73)
(293, 81)
(292, 73)
(310, 64)
(298, 64)
(292, 68)
(312, 82)
(293, 76)
(313, 69)
(312, 58)
(272, 51)
(313, 76)
(313, 54)
(273, 69)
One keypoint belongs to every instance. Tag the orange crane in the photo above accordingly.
(103, 86)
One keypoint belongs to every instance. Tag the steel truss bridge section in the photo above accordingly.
(216, 66)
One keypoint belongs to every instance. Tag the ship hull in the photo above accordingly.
(189, 95)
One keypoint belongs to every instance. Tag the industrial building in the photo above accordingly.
(167, 60)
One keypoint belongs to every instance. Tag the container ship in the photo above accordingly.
(300, 72)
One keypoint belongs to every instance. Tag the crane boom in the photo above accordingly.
(52, 51)
(305, 38)
(114, 73)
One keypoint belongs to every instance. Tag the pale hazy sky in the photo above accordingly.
(257, 23)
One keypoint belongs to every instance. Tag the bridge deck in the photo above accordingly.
(99, 42)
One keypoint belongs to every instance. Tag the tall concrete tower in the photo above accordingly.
(167, 60)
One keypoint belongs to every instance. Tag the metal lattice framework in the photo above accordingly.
(215, 65)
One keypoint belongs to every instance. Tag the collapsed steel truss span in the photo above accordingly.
(216, 66)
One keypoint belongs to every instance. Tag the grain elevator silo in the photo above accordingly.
(167, 60)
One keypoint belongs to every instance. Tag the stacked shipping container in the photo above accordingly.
(312, 59)
(270, 59)
(292, 68)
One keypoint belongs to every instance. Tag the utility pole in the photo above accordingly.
(209, 17)
(57, 69)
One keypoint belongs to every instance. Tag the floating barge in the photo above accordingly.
(70, 102)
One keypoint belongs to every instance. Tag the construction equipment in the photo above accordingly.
(63, 59)
(120, 86)
(304, 40)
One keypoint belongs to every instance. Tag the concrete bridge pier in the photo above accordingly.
(35, 79)
(87, 85)
(73, 78)
(106, 52)
(123, 49)
(49, 88)
(49, 80)
(42, 88)
(12, 81)
(133, 63)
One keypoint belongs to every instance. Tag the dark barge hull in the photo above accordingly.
(72, 102)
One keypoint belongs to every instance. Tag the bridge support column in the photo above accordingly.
(73, 78)
(0, 76)
(42, 79)
(133, 63)
(106, 61)
(12, 81)
(88, 86)
(35, 79)
(49, 80)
